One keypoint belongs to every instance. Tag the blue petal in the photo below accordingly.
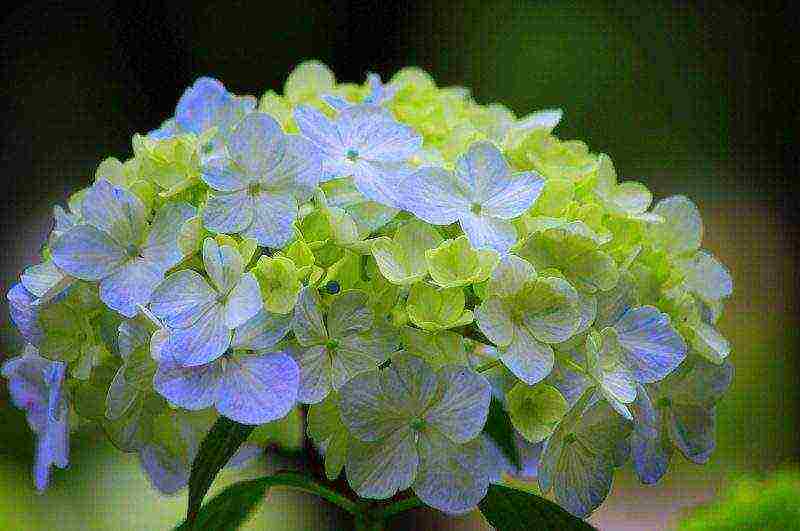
(191, 388)
(198, 107)
(461, 412)
(130, 286)
(513, 195)
(486, 232)
(299, 170)
(160, 248)
(483, 170)
(115, 211)
(316, 127)
(435, 195)
(243, 302)
(166, 130)
(693, 430)
(652, 345)
(24, 314)
(52, 448)
(705, 383)
(273, 219)
(203, 342)
(258, 389)
(257, 144)
(336, 102)
(87, 253)
(228, 213)
(182, 298)
(224, 265)
(222, 176)
(167, 472)
(375, 136)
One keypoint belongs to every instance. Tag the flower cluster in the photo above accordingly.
(395, 258)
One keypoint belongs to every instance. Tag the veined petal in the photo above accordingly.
(528, 358)
(23, 313)
(182, 298)
(435, 195)
(115, 211)
(376, 136)
(39, 279)
(261, 332)
(493, 317)
(161, 246)
(243, 302)
(510, 275)
(273, 218)
(87, 253)
(315, 373)
(483, 169)
(228, 213)
(485, 232)
(452, 477)
(168, 473)
(224, 265)
(379, 470)
(130, 286)
(307, 324)
(653, 346)
(300, 168)
(199, 105)
(692, 430)
(461, 412)
(191, 388)
(349, 314)
(319, 130)
(258, 389)
(258, 144)
(205, 341)
(513, 195)
(683, 230)
(708, 277)
(222, 176)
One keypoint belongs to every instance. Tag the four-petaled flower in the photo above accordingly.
(483, 195)
(257, 188)
(413, 427)
(200, 316)
(251, 385)
(363, 142)
(334, 350)
(116, 246)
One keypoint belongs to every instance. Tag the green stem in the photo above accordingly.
(304, 483)
(398, 507)
(488, 365)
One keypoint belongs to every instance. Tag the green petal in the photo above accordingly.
(437, 348)
(401, 260)
(550, 309)
(279, 281)
(535, 410)
(437, 309)
(455, 263)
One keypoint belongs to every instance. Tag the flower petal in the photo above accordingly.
(349, 314)
(274, 214)
(485, 232)
(452, 477)
(24, 314)
(161, 246)
(228, 213)
(206, 340)
(316, 127)
(243, 302)
(683, 230)
(192, 388)
(224, 265)
(182, 298)
(528, 358)
(315, 373)
(461, 412)
(513, 195)
(87, 253)
(307, 324)
(653, 346)
(258, 389)
(379, 470)
(130, 286)
(261, 332)
(115, 211)
(435, 195)
(222, 176)
(257, 144)
(493, 317)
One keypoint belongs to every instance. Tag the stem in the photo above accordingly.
(472, 332)
(488, 365)
(398, 507)
(307, 484)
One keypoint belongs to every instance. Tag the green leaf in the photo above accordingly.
(231, 507)
(499, 428)
(510, 509)
(219, 445)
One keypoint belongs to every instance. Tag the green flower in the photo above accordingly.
(455, 263)
(436, 309)
(402, 259)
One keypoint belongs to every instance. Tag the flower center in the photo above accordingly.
(332, 345)
(254, 189)
(418, 424)
(476, 208)
(351, 155)
(132, 250)
(206, 148)
(663, 402)
(569, 438)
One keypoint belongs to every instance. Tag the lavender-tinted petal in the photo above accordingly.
(258, 144)
(273, 219)
(262, 331)
(160, 248)
(205, 341)
(191, 388)
(228, 213)
(652, 345)
(461, 411)
(243, 302)
(115, 211)
(434, 195)
(485, 232)
(130, 286)
(182, 298)
(87, 253)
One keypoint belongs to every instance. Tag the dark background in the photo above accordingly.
(689, 97)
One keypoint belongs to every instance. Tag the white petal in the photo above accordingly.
(161, 246)
(224, 265)
(115, 211)
(307, 323)
(315, 373)
(514, 195)
(527, 357)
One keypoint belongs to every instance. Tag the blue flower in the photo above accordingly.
(36, 385)
(363, 142)
(116, 246)
(252, 387)
(578, 460)
(24, 313)
(200, 316)
(483, 195)
(204, 105)
(258, 187)
(679, 413)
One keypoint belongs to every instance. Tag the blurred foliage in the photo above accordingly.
(752, 505)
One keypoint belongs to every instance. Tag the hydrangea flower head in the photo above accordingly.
(458, 297)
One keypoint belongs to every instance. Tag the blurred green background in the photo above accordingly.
(690, 98)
